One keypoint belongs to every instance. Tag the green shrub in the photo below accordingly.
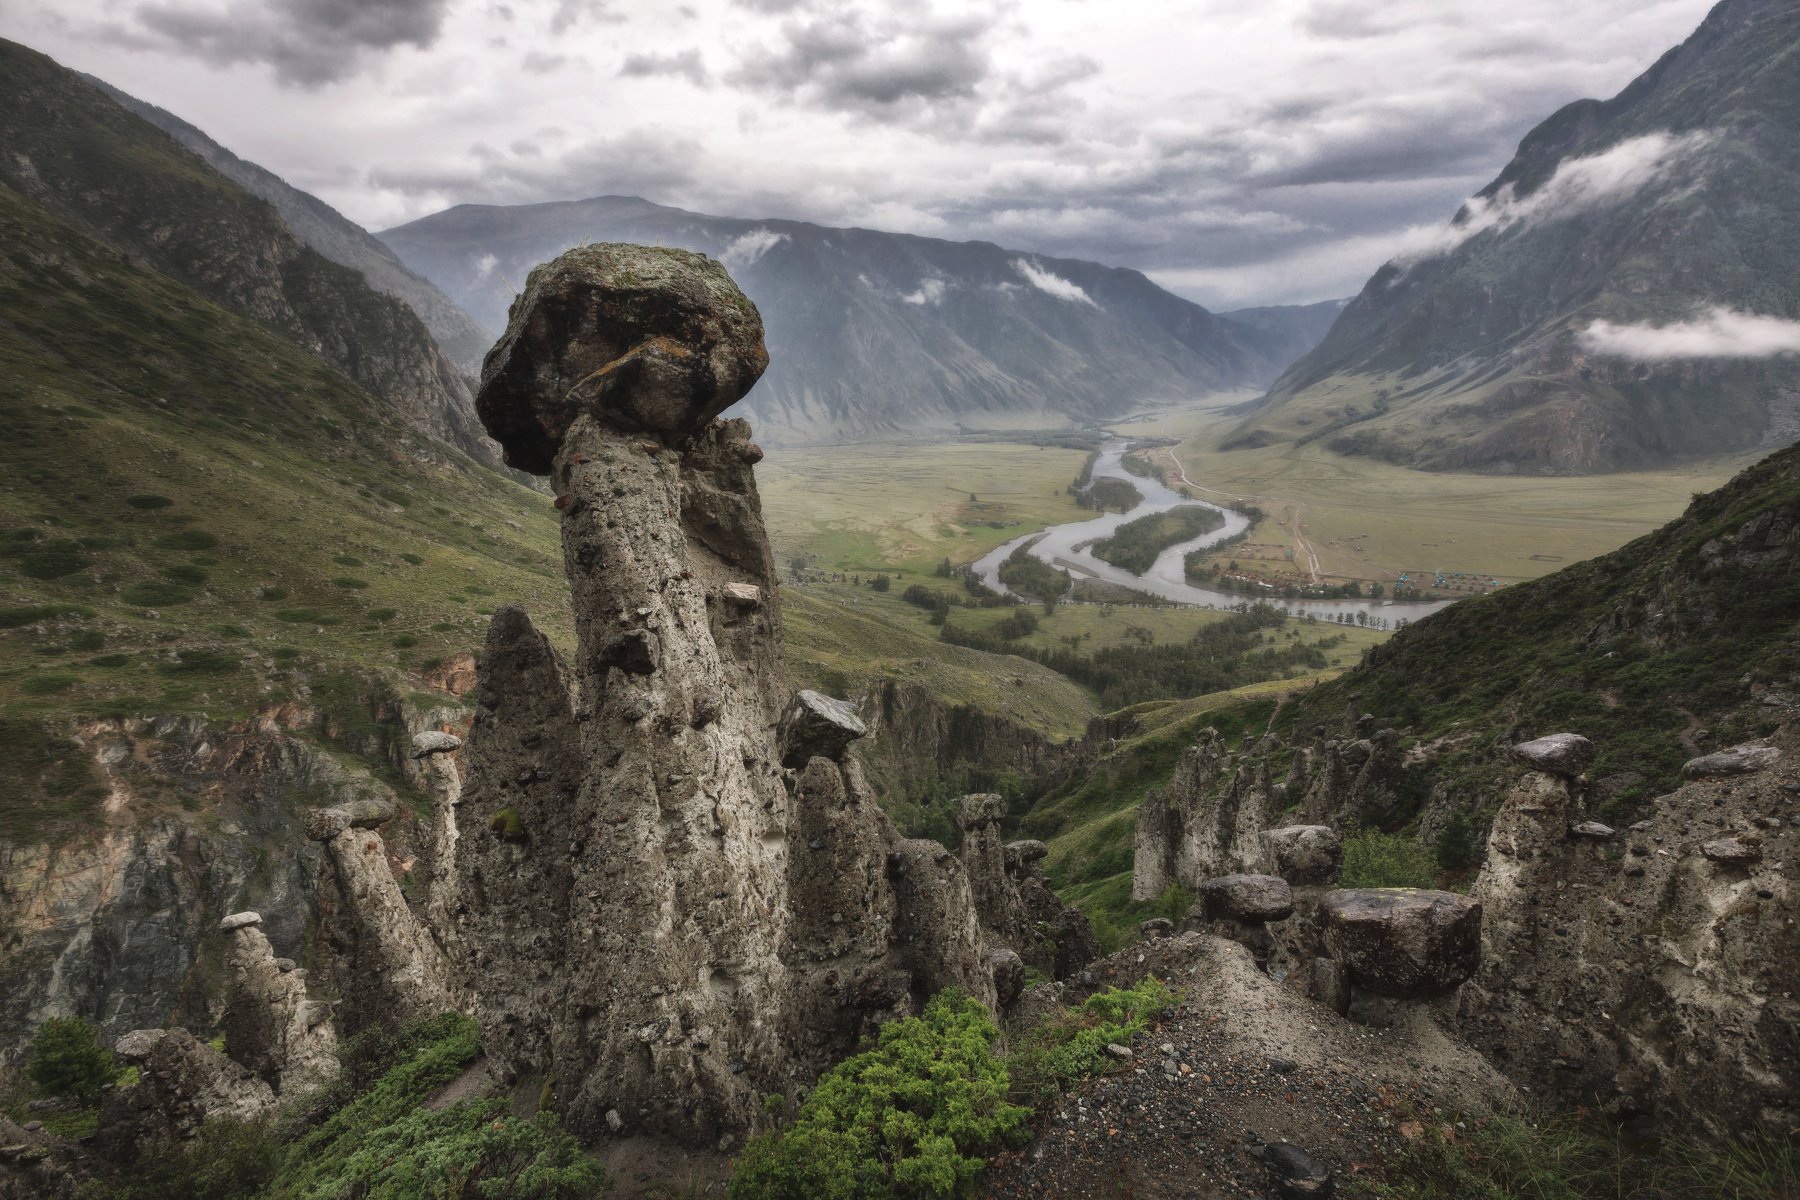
(405, 641)
(155, 593)
(14, 618)
(148, 501)
(1070, 1046)
(86, 639)
(347, 560)
(185, 573)
(67, 1060)
(272, 593)
(414, 559)
(284, 653)
(53, 560)
(382, 614)
(298, 616)
(1373, 859)
(48, 685)
(1457, 846)
(350, 581)
(911, 1117)
(110, 660)
(188, 539)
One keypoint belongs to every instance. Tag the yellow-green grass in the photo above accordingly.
(867, 508)
(844, 640)
(1102, 626)
(1367, 519)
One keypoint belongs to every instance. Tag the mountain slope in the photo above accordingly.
(329, 232)
(85, 159)
(1677, 200)
(876, 334)
(1286, 332)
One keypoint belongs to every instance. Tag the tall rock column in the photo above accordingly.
(614, 364)
(271, 1028)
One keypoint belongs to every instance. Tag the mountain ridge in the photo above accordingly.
(876, 334)
(1634, 213)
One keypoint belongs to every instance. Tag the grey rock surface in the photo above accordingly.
(1304, 854)
(182, 1083)
(1565, 754)
(1739, 760)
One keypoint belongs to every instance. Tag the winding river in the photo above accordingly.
(1167, 577)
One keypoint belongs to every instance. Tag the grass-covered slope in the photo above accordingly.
(196, 515)
(74, 152)
(1635, 649)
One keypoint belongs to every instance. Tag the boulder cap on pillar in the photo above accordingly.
(816, 726)
(239, 921)
(1565, 754)
(979, 810)
(1304, 853)
(1403, 942)
(323, 824)
(641, 338)
(1251, 899)
(434, 741)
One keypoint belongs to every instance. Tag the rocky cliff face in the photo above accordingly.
(680, 895)
(1645, 972)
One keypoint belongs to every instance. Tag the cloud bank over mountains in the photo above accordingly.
(1237, 153)
(1718, 332)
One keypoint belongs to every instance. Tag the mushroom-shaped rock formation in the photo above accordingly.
(1304, 854)
(1565, 754)
(434, 741)
(271, 1028)
(640, 338)
(678, 894)
(1403, 942)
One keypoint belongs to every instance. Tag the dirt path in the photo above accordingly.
(1303, 548)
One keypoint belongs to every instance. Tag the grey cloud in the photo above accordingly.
(686, 63)
(569, 13)
(307, 42)
(643, 162)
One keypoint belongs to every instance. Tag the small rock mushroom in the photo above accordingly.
(1251, 899)
(239, 921)
(433, 741)
(1403, 942)
(1565, 754)
(1023, 855)
(979, 811)
(816, 726)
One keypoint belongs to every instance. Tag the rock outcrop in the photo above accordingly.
(678, 893)
(394, 971)
(1656, 971)
(271, 1028)
(182, 1083)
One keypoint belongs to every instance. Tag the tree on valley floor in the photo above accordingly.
(66, 1060)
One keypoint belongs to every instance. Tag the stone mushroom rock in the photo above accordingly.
(1403, 942)
(641, 338)
(434, 741)
(1023, 855)
(816, 726)
(1565, 754)
(323, 824)
(239, 921)
(271, 1028)
(979, 811)
(1304, 854)
(1250, 899)
(1739, 760)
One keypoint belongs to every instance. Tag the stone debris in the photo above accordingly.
(182, 1083)
(1592, 829)
(1566, 754)
(1732, 851)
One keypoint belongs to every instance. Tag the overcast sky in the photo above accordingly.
(1239, 151)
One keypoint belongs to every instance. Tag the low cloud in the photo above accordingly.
(307, 42)
(1719, 332)
(1578, 185)
(930, 291)
(1047, 281)
(686, 63)
(751, 246)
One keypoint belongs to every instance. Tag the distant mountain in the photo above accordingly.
(80, 157)
(880, 334)
(329, 232)
(1285, 332)
(1619, 296)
